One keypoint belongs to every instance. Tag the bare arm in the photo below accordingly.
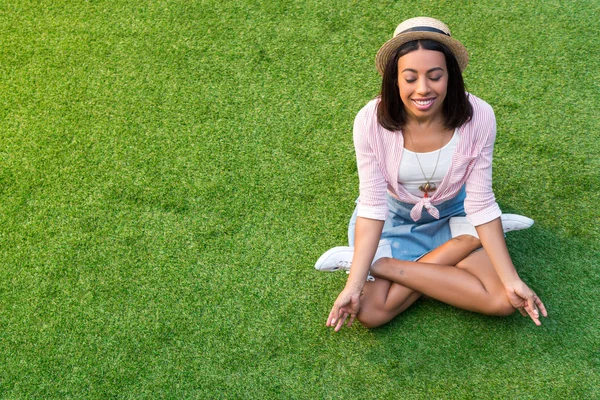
(367, 235)
(480, 201)
(347, 304)
(491, 236)
(519, 294)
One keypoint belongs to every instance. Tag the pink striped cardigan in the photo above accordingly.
(378, 154)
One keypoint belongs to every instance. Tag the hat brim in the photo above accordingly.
(389, 47)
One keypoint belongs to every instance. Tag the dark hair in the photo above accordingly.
(456, 107)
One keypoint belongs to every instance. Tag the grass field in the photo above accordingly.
(170, 171)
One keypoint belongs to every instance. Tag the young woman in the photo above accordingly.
(424, 152)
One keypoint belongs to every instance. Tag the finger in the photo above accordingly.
(530, 306)
(331, 320)
(531, 301)
(522, 311)
(541, 306)
(341, 321)
(533, 311)
(351, 320)
(535, 318)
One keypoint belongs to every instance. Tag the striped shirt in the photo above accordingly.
(379, 152)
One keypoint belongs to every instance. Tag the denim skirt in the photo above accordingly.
(411, 240)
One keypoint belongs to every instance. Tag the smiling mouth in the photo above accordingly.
(423, 103)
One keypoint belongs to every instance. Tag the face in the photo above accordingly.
(423, 82)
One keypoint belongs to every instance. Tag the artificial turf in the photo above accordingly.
(170, 171)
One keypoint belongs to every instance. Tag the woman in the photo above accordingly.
(424, 152)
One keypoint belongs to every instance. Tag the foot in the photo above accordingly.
(340, 258)
(515, 222)
(336, 259)
(510, 222)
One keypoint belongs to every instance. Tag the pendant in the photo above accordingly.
(427, 187)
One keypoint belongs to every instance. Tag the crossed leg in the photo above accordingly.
(452, 273)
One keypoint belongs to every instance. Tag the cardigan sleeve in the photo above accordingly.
(480, 204)
(372, 201)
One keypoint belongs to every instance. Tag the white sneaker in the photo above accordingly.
(510, 222)
(340, 258)
(335, 259)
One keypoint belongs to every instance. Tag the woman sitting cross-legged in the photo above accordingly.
(426, 222)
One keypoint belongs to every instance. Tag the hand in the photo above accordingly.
(346, 304)
(526, 301)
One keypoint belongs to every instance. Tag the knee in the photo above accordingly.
(372, 320)
(468, 240)
(369, 324)
(500, 306)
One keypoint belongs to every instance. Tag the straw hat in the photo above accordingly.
(421, 28)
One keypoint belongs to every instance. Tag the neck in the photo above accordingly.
(424, 122)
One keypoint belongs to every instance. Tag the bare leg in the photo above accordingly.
(383, 299)
(472, 285)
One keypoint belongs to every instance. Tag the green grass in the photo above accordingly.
(170, 171)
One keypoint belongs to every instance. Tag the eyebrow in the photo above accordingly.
(415, 71)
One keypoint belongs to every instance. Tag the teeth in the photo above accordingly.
(423, 102)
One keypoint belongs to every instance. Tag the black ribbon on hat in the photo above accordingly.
(425, 29)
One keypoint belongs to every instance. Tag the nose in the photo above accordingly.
(422, 86)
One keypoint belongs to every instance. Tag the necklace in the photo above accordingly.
(428, 186)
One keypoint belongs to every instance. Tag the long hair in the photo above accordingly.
(456, 108)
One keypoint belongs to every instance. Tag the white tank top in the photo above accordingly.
(410, 175)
